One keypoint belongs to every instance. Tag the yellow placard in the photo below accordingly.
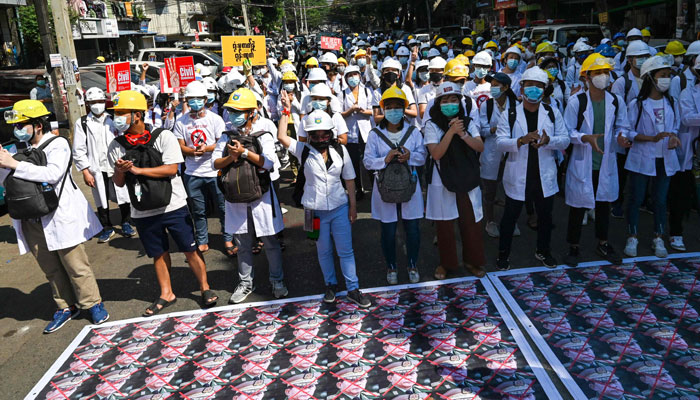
(235, 49)
(603, 18)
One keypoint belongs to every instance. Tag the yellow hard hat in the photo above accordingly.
(467, 41)
(440, 41)
(462, 58)
(242, 99)
(435, 37)
(646, 33)
(491, 44)
(130, 100)
(410, 37)
(545, 47)
(360, 53)
(595, 62)
(520, 46)
(312, 62)
(100, 59)
(390, 41)
(355, 34)
(289, 76)
(24, 110)
(456, 68)
(473, 33)
(285, 62)
(393, 93)
(341, 60)
(469, 53)
(674, 48)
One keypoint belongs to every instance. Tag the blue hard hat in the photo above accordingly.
(605, 50)
(618, 35)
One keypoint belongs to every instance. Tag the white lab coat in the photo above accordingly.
(572, 78)
(675, 89)
(515, 173)
(375, 153)
(89, 150)
(237, 213)
(73, 222)
(690, 120)
(490, 158)
(579, 175)
(641, 155)
(357, 124)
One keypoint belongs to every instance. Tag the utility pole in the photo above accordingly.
(306, 19)
(296, 21)
(244, 10)
(284, 21)
(427, 7)
(42, 16)
(302, 7)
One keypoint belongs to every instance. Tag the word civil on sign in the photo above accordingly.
(236, 49)
(180, 71)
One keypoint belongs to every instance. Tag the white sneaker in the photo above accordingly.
(631, 248)
(492, 229)
(659, 249)
(677, 243)
(392, 276)
(413, 275)
(516, 232)
(585, 219)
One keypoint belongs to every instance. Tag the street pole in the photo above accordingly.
(49, 47)
(296, 20)
(304, 25)
(244, 9)
(427, 7)
(284, 21)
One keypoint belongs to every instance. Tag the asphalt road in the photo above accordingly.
(127, 280)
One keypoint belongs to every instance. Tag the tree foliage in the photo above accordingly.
(29, 26)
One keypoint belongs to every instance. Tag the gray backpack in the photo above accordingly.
(397, 182)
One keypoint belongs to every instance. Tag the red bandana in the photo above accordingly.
(135, 139)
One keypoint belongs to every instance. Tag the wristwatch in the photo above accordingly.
(244, 155)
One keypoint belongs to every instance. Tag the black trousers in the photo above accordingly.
(511, 213)
(356, 152)
(681, 193)
(621, 178)
(602, 218)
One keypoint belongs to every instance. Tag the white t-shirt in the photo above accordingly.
(426, 93)
(197, 131)
(167, 145)
(480, 93)
(658, 107)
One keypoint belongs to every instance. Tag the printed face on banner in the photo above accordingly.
(118, 76)
(236, 49)
(331, 43)
(180, 71)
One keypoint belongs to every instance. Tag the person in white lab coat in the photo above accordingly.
(391, 70)
(262, 217)
(395, 139)
(55, 239)
(538, 131)
(581, 50)
(513, 57)
(92, 135)
(324, 162)
(453, 140)
(655, 120)
(596, 119)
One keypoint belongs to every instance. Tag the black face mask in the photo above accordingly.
(435, 77)
(390, 77)
(320, 145)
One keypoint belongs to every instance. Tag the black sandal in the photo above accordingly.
(209, 298)
(155, 310)
(231, 251)
(257, 247)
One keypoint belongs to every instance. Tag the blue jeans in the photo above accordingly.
(659, 191)
(412, 230)
(336, 222)
(197, 189)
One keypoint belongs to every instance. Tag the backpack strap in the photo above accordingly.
(70, 163)
(628, 85)
(684, 80)
(468, 105)
(639, 113)
(582, 105)
(384, 138)
(550, 111)
(616, 102)
(83, 123)
(489, 109)
(512, 117)
(405, 137)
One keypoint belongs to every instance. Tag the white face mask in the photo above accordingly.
(601, 81)
(97, 108)
(662, 84)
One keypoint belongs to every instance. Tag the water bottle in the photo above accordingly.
(414, 176)
(137, 191)
(46, 187)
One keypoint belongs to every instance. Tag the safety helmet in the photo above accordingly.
(95, 94)
(437, 63)
(535, 74)
(605, 50)
(352, 68)
(646, 33)
(391, 63)
(329, 58)
(141, 89)
(312, 62)
(242, 99)
(318, 120)
(514, 50)
(618, 35)
(202, 70)
(693, 49)
(634, 32)
(595, 62)
(289, 76)
(24, 110)
(321, 90)
(440, 42)
(433, 52)
(491, 45)
(195, 89)
(455, 69)
(360, 53)
(655, 63)
(469, 53)
(467, 41)
(403, 52)
(544, 47)
(447, 88)
(382, 45)
(317, 74)
(581, 47)
(674, 48)
(637, 48)
(343, 61)
(410, 37)
(393, 93)
(210, 84)
(130, 100)
(100, 59)
(285, 62)
(423, 63)
(482, 58)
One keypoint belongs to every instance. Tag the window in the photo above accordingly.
(570, 34)
(539, 34)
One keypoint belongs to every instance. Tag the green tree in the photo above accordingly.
(29, 27)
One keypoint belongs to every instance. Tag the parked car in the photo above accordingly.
(561, 33)
(200, 56)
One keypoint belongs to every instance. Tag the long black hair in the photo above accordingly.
(645, 91)
(443, 122)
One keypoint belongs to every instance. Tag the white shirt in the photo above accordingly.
(658, 108)
(479, 92)
(323, 189)
(357, 124)
(195, 132)
(426, 93)
(167, 145)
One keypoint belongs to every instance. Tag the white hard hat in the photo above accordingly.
(317, 74)
(482, 58)
(524, 40)
(329, 58)
(202, 70)
(655, 63)
(696, 66)
(424, 45)
(318, 120)
(580, 47)
(402, 51)
(693, 49)
(210, 83)
(144, 91)
(196, 89)
(424, 63)
(447, 88)
(536, 74)
(433, 52)
(374, 49)
(95, 94)
(514, 50)
(391, 63)
(437, 63)
(382, 45)
(605, 40)
(637, 48)
(321, 90)
(634, 32)
(351, 69)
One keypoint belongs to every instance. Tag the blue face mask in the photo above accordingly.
(120, 123)
(288, 87)
(425, 54)
(311, 85)
(211, 97)
(393, 115)
(318, 104)
(361, 62)
(195, 104)
(621, 43)
(480, 72)
(22, 135)
(354, 81)
(449, 109)
(444, 49)
(495, 92)
(41, 82)
(553, 71)
(237, 118)
(513, 63)
(403, 61)
(533, 94)
(374, 57)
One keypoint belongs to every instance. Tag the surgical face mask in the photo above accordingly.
(423, 76)
(513, 63)
(496, 92)
(449, 109)
(533, 94)
(425, 53)
(444, 49)
(318, 104)
(288, 87)
(237, 118)
(120, 123)
(393, 115)
(97, 108)
(639, 61)
(662, 84)
(480, 72)
(677, 60)
(601, 81)
(302, 52)
(374, 57)
(435, 77)
(195, 104)
(354, 81)
(361, 62)
(311, 85)
(553, 71)
(382, 52)
(390, 77)
(621, 43)
(23, 134)
(403, 61)
(341, 69)
(211, 97)
(41, 82)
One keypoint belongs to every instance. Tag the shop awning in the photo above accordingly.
(642, 3)
(130, 32)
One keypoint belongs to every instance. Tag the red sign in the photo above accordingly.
(331, 43)
(164, 86)
(203, 26)
(118, 77)
(503, 4)
(179, 71)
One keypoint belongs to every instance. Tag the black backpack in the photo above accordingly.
(242, 181)
(396, 182)
(146, 193)
(459, 167)
(301, 178)
(28, 199)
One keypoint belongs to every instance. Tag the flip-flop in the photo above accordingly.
(231, 251)
(440, 272)
(209, 294)
(155, 310)
(479, 272)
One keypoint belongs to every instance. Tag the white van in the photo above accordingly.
(561, 33)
